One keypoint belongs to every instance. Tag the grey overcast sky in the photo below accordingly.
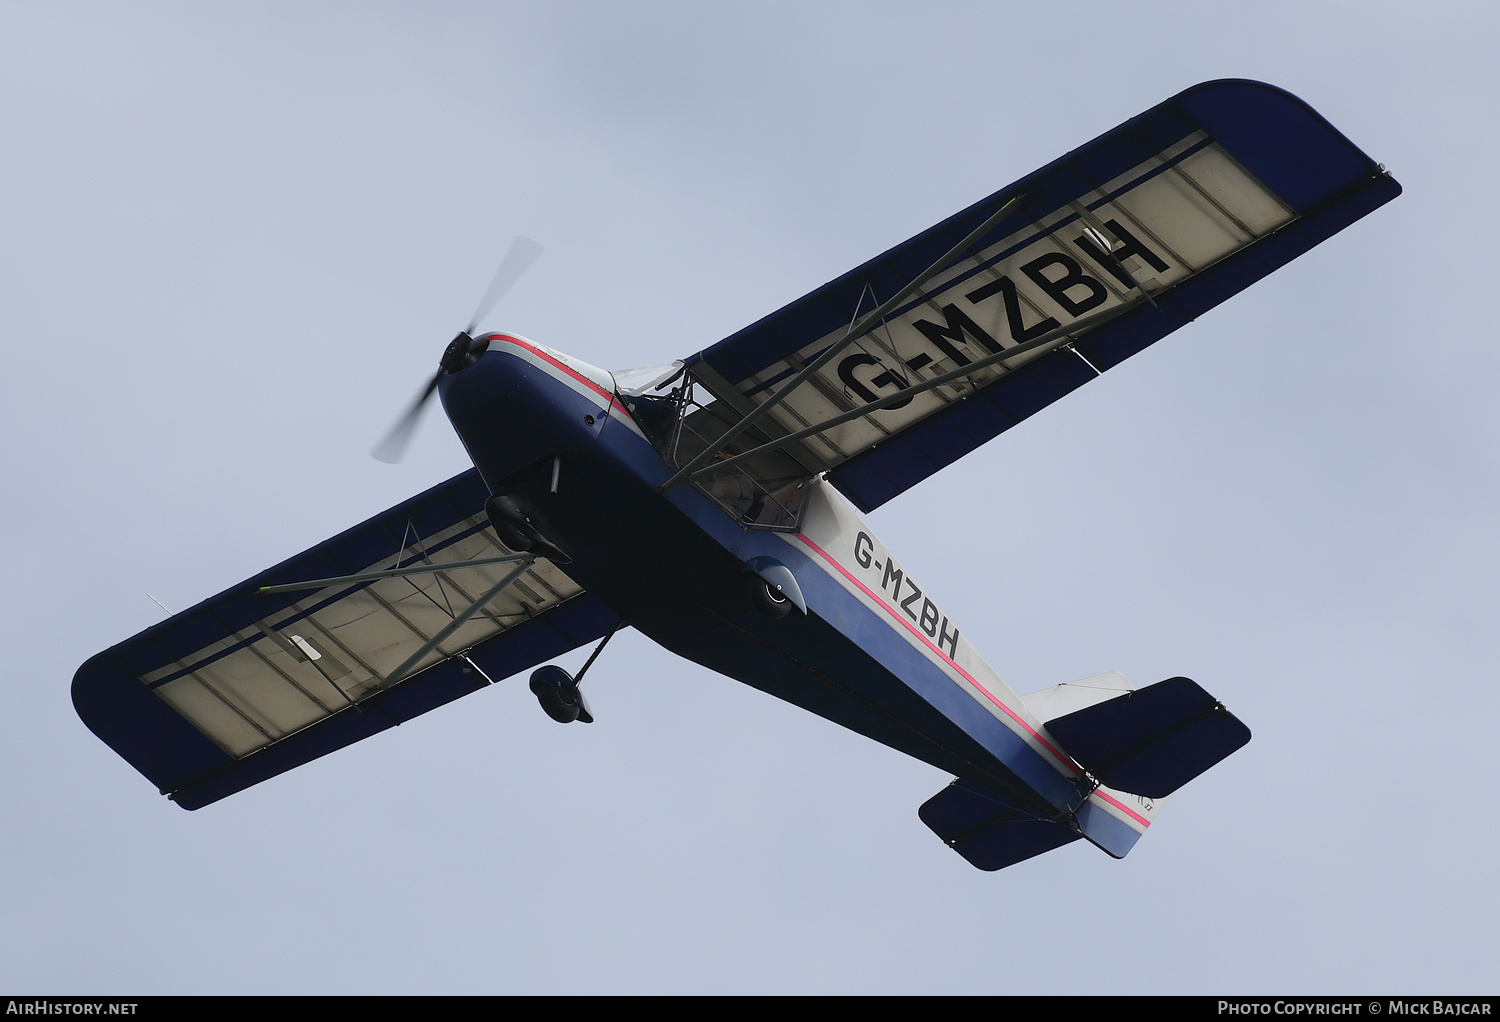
(233, 242)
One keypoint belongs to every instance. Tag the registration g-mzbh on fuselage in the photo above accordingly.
(713, 503)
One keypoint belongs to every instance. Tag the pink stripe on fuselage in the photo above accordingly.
(564, 367)
(1062, 757)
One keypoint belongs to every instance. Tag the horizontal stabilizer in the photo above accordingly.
(986, 829)
(1151, 741)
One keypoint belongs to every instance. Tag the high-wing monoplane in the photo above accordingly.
(713, 503)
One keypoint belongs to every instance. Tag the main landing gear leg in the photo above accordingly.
(558, 691)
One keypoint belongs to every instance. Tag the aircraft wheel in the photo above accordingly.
(767, 598)
(548, 685)
(508, 517)
(512, 537)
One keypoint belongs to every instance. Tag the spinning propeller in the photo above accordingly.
(523, 252)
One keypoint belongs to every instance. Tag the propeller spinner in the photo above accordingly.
(462, 350)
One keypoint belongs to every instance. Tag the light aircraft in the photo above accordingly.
(712, 503)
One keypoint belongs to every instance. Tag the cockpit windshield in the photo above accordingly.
(642, 380)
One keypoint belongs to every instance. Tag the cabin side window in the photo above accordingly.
(683, 419)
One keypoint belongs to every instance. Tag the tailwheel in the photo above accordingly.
(767, 597)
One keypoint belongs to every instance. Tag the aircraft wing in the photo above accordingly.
(247, 685)
(1103, 252)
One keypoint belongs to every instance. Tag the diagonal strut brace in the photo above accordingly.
(372, 576)
(1060, 337)
(525, 562)
(854, 333)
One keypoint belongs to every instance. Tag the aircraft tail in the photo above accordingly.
(1138, 747)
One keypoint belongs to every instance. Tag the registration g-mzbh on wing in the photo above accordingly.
(713, 503)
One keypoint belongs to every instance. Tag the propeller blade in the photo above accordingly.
(461, 350)
(523, 252)
(394, 445)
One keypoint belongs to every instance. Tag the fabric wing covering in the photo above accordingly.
(1194, 200)
(247, 685)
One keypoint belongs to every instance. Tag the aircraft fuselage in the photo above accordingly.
(874, 652)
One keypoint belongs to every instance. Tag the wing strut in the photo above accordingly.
(1051, 337)
(856, 331)
(372, 576)
(524, 562)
